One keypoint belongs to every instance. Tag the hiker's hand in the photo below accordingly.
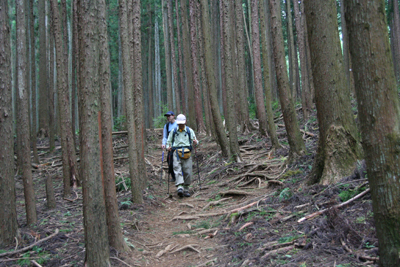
(195, 142)
(169, 149)
(163, 147)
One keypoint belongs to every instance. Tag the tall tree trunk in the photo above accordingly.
(115, 237)
(345, 43)
(181, 67)
(157, 79)
(375, 84)
(267, 77)
(338, 144)
(188, 68)
(296, 142)
(222, 139)
(43, 86)
(138, 93)
(170, 97)
(244, 108)
(195, 74)
(8, 212)
(74, 76)
(94, 210)
(50, 91)
(291, 53)
(228, 49)
(70, 174)
(33, 83)
(173, 61)
(23, 116)
(258, 89)
(396, 35)
(129, 103)
(223, 80)
(150, 78)
(305, 94)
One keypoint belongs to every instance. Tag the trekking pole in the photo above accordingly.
(198, 170)
(168, 185)
(162, 161)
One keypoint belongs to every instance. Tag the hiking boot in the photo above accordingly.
(180, 191)
(186, 193)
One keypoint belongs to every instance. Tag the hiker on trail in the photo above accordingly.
(168, 127)
(180, 142)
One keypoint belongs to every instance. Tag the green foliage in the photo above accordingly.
(119, 183)
(252, 108)
(288, 238)
(182, 232)
(160, 121)
(348, 194)
(120, 123)
(291, 173)
(285, 194)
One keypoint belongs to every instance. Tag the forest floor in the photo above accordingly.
(241, 214)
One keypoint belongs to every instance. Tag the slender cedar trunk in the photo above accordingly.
(244, 109)
(296, 142)
(23, 116)
(170, 98)
(290, 40)
(204, 90)
(305, 94)
(115, 237)
(191, 117)
(150, 96)
(230, 115)
(33, 83)
(74, 75)
(8, 212)
(157, 75)
(345, 44)
(259, 95)
(94, 210)
(138, 92)
(223, 80)
(249, 46)
(375, 84)
(68, 149)
(130, 120)
(217, 46)
(396, 37)
(308, 55)
(181, 67)
(64, 19)
(266, 72)
(222, 139)
(195, 74)
(338, 147)
(173, 60)
(50, 90)
(43, 105)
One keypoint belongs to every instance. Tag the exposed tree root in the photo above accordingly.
(186, 247)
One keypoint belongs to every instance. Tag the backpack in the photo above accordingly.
(183, 152)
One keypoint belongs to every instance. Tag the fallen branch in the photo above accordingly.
(235, 192)
(364, 257)
(214, 203)
(29, 247)
(186, 247)
(245, 225)
(206, 263)
(276, 251)
(115, 258)
(334, 207)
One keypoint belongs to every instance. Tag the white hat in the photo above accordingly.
(181, 119)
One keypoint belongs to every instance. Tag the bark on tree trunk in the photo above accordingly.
(170, 102)
(8, 212)
(244, 109)
(195, 73)
(23, 116)
(115, 237)
(338, 144)
(173, 61)
(70, 172)
(222, 140)
(258, 88)
(296, 142)
(267, 77)
(129, 103)
(188, 69)
(375, 84)
(43, 87)
(230, 115)
(181, 76)
(94, 210)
